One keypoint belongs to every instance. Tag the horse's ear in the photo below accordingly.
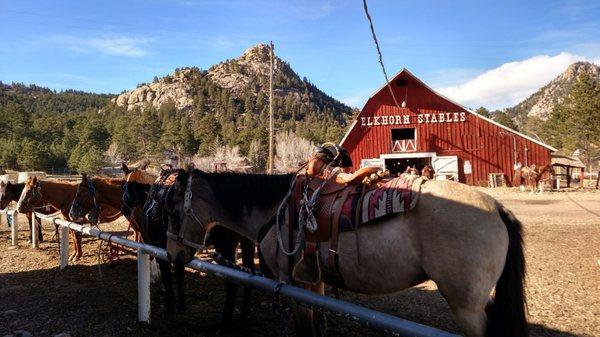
(34, 180)
(144, 164)
(84, 177)
(125, 169)
(2, 183)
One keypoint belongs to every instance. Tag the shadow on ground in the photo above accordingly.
(93, 301)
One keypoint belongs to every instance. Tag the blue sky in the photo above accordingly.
(491, 53)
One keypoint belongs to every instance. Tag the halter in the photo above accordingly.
(36, 195)
(189, 212)
(92, 190)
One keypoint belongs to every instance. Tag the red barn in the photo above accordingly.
(426, 128)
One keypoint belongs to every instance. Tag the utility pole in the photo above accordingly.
(271, 127)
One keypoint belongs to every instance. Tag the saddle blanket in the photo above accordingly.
(389, 197)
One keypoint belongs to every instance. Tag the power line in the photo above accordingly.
(387, 81)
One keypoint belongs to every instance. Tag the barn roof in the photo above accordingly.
(489, 120)
(563, 160)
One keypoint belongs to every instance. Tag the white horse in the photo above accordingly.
(462, 239)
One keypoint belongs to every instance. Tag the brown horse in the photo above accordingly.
(94, 196)
(530, 176)
(57, 194)
(462, 239)
(10, 192)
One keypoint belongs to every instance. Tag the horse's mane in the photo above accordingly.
(236, 192)
(108, 181)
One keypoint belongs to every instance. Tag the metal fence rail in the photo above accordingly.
(373, 319)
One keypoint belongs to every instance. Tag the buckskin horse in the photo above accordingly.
(462, 239)
(136, 190)
(57, 194)
(10, 192)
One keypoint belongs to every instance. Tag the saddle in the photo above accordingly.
(153, 227)
(334, 204)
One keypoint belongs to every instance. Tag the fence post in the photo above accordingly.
(14, 228)
(64, 247)
(34, 229)
(143, 269)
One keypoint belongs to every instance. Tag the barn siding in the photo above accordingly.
(487, 146)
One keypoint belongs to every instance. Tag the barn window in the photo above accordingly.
(404, 140)
(405, 133)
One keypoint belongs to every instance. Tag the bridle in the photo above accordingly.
(127, 200)
(76, 206)
(189, 212)
(36, 194)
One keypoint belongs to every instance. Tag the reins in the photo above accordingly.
(189, 212)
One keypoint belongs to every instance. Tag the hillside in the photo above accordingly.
(246, 81)
(189, 112)
(541, 103)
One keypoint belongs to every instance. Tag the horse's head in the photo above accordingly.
(136, 186)
(186, 225)
(427, 172)
(85, 202)
(31, 196)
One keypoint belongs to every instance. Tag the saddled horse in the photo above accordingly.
(10, 192)
(136, 190)
(462, 239)
(59, 195)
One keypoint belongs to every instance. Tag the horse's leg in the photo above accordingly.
(248, 248)
(226, 247)
(179, 280)
(39, 231)
(29, 221)
(73, 243)
(79, 250)
(167, 280)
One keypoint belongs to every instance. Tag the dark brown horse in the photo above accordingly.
(58, 195)
(136, 190)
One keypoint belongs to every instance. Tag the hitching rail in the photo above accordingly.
(370, 318)
(13, 215)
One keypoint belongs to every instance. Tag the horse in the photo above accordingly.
(137, 188)
(427, 172)
(462, 239)
(57, 194)
(10, 192)
(94, 195)
(530, 176)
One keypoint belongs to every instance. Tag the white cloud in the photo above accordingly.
(511, 82)
(116, 45)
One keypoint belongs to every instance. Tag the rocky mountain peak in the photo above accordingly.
(176, 87)
(542, 102)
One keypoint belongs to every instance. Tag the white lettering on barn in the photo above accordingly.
(446, 117)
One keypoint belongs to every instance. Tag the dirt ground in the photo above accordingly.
(562, 236)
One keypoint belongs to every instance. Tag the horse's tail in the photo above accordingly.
(506, 315)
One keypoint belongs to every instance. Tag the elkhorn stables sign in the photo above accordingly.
(446, 117)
